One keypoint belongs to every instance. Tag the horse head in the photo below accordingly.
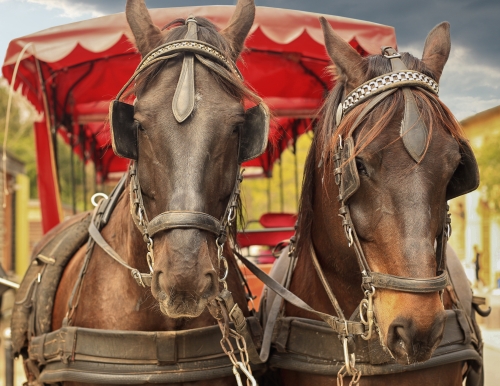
(402, 156)
(187, 133)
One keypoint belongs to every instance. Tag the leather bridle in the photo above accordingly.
(414, 135)
(182, 106)
(180, 220)
(252, 142)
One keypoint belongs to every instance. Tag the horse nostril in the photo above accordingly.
(398, 338)
(212, 284)
(401, 337)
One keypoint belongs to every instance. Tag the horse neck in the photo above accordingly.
(338, 262)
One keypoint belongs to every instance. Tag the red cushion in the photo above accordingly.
(278, 220)
(263, 237)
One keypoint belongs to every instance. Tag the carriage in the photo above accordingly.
(285, 64)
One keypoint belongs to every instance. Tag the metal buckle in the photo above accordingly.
(396, 55)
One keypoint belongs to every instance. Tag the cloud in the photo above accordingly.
(468, 85)
(71, 9)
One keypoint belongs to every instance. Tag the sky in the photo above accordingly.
(471, 78)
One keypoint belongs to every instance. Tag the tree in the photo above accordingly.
(21, 140)
(21, 143)
(488, 158)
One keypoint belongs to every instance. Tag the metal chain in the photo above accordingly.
(243, 363)
(343, 372)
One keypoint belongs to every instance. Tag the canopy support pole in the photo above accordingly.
(84, 161)
(53, 130)
(48, 187)
(282, 193)
(295, 130)
(93, 149)
(71, 133)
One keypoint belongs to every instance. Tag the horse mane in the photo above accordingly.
(433, 112)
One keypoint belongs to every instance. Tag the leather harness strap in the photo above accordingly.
(325, 284)
(144, 279)
(297, 338)
(131, 356)
(342, 327)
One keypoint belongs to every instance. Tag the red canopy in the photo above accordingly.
(71, 72)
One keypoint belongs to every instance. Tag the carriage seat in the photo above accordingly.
(276, 228)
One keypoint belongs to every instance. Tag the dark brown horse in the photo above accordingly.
(186, 134)
(393, 214)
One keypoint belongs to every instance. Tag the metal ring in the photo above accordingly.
(349, 365)
(232, 215)
(218, 243)
(226, 268)
(93, 198)
(363, 304)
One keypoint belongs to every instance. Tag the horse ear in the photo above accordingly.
(350, 64)
(147, 35)
(437, 49)
(239, 25)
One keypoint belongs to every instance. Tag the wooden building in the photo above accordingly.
(476, 227)
(14, 234)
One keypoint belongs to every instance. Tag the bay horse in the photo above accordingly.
(186, 134)
(373, 222)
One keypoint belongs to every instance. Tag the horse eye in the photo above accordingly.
(361, 167)
(138, 125)
(237, 128)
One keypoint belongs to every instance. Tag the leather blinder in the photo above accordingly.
(466, 176)
(123, 129)
(254, 134)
